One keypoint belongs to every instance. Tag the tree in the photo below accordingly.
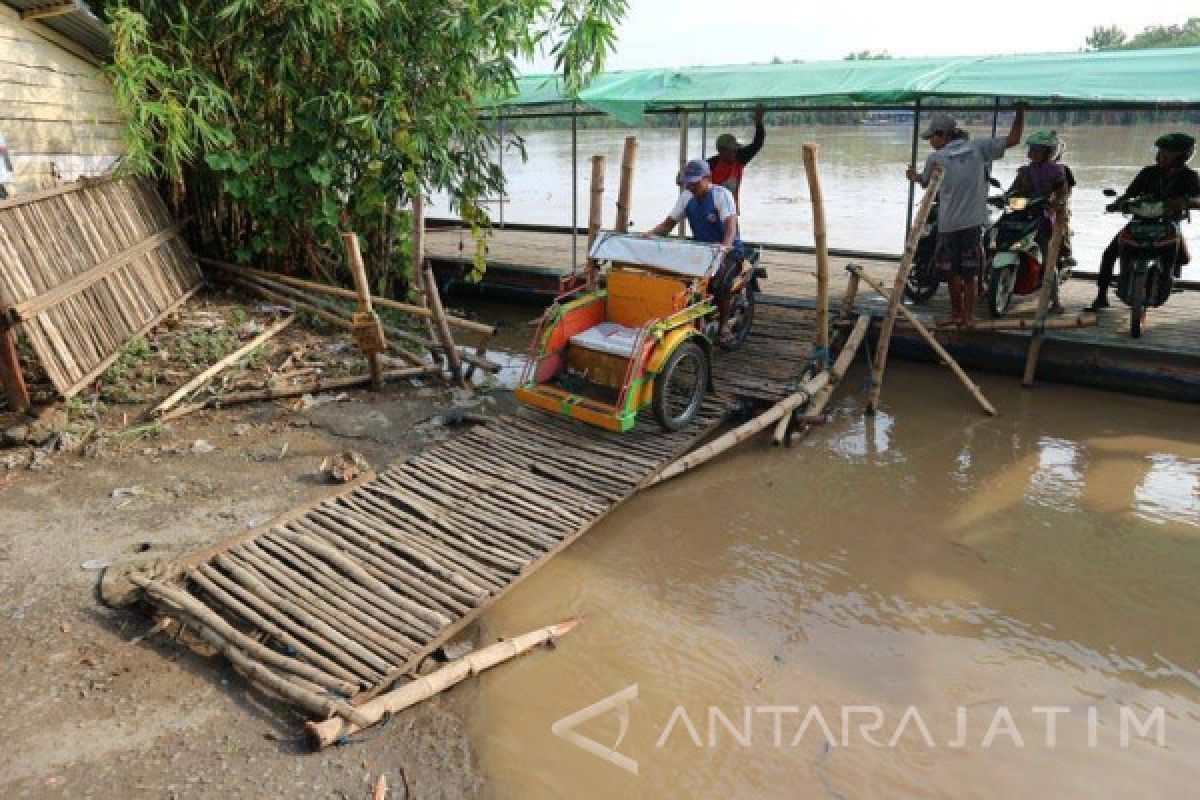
(1185, 35)
(868, 55)
(1105, 38)
(276, 124)
(1113, 38)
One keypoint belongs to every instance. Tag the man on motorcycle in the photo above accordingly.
(962, 203)
(1045, 176)
(729, 164)
(712, 213)
(1168, 178)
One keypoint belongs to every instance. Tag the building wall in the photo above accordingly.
(58, 113)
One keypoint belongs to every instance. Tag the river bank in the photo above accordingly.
(95, 713)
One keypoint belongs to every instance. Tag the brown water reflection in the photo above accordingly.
(926, 558)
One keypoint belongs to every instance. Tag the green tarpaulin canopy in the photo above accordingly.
(1168, 76)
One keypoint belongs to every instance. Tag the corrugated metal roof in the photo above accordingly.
(79, 25)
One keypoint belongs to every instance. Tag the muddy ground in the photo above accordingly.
(91, 711)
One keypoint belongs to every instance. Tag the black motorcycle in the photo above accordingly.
(1150, 251)
(923, 278)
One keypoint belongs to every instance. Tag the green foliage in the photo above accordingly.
(1113, 38)
(1105, 38)
(869, 55)
(280, 123)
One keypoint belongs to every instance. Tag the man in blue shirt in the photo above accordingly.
(712, 213)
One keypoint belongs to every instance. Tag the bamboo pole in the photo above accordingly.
(625, 192)
(1049, 280)
(946, 358)
(350, 294)
(229, 360)
(836, 373)
(183, 603)
(1083, 320)
(822, 248)
(330, 731)
(744, 431)
(257, 395)
(10, 367)
(595, 214)
(683, 159)
(440, 328)
(896, 299)
(368, 331)
(849, 298)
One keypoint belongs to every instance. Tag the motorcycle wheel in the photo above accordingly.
(921, 285)
(679, 389)
(1001, 282)
(742, 315)
(1137, 304)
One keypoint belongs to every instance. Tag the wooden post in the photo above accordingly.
(683, 159)
(10, 366)
(1049, 279)
(945, 357)
(897, 295)
(625, 192)
(851, 296)
(368, 330)
(595, 214)
(819, 239)
(441, 328)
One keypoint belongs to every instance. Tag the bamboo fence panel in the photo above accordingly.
(87, 267)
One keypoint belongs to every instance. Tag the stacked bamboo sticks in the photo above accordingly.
(330, 604)
(320, 300)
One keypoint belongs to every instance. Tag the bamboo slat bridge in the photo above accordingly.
(329, 605)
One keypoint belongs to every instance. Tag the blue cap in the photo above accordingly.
(694, 170)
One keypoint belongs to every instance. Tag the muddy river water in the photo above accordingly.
(924, 603)
(862, 169)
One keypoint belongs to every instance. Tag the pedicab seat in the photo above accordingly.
(610, 338)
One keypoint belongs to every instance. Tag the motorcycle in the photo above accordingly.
(1016, 263)
(1150, 246)
(923, 278)
(743, 291)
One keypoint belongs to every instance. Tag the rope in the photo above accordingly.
(363, 737)
(869, 383)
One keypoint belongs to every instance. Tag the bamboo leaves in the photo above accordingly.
(284, 121)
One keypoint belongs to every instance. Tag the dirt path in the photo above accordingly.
(93, 713)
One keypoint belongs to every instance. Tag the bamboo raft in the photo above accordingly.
(329, 605)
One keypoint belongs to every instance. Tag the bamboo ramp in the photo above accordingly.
(330, 604)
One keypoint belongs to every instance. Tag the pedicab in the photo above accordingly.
(645, 339)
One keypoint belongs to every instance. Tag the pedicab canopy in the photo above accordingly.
(679, 256)
(1155, 77)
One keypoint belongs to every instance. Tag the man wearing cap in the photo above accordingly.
(712, 213)
(962, 203)
(729, 164)
(1169, 178)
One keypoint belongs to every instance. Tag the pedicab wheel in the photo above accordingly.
(1000, 290)
(679, 388)
(742, 317)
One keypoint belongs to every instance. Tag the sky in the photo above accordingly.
(671, 33)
